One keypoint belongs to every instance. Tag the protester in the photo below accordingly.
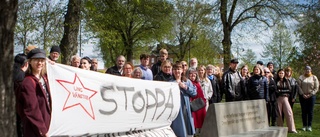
(127, 69)
(156, 68)
(258, 87)
(118, 68)
(147, 73)
(95, 64)
(245, 75)
(271, 68)
(283, 92)
(86, 63)
(272, 105)
(205, 84)
(193, 63)
(233, 84)
(199, 115)
(260, 63)
(54, 53)
(216, 97)
(29, 48)
(137, 73)
(307, 96)
(33, 100)
(183, 125)
(185, 67)
(165, 74)
(19, 68)
(75, 61)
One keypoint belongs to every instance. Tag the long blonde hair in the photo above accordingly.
(43, 71)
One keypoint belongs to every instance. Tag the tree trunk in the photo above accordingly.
(69, 42)
(226, 42)
(8, 18)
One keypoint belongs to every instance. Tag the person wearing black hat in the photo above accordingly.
(19, 68)
(54, 53)
(33, 100)
(260, 63)
(232, 83)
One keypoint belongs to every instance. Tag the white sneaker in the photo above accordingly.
(309, 129)
(304, 128)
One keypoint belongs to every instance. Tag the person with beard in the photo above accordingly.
(118, 68)
(95, 64)
(54, 53)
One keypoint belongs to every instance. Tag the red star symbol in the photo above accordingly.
(78, 95)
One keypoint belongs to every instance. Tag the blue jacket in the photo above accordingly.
(258, 88)
(183, 125)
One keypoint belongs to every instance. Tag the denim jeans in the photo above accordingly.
(307, 106)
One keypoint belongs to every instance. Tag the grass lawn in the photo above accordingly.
(298, 121)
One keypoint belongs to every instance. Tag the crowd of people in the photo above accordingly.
(278, 88)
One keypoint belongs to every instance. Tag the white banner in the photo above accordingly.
(88, 103)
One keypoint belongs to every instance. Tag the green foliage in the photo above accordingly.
(280, 49)
(309, 37)
(39, 23)
(248, 58)
(127, 24)
(193, 25)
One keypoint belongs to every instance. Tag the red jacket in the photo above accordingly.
(34, 106)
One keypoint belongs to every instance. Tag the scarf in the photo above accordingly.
(210, 77)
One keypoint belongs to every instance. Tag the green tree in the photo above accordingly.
(248, 58)
(127, 23)
(309, 38)
(249, 13)
(191, 19)
(8, 18)
(49, 19)
(281, 48)
(26, 24)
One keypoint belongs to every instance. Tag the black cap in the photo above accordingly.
(260, 62)
(55, 49)
(36, 54)
(20, 59)
(234, 61)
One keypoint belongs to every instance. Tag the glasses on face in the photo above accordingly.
(184, 64)
(267, 72)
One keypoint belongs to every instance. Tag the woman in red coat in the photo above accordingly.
(199, 115)
(34, 102)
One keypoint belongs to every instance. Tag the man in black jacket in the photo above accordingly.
(233, 84)
(118, 68)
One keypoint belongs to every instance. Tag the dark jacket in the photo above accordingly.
(294, 88)
(34, 106)
(156, 68)
(234, 89)
(163, 77)
(216, 96)
(283, 88)
(272, 90)
(258, 88)
(113, 70)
